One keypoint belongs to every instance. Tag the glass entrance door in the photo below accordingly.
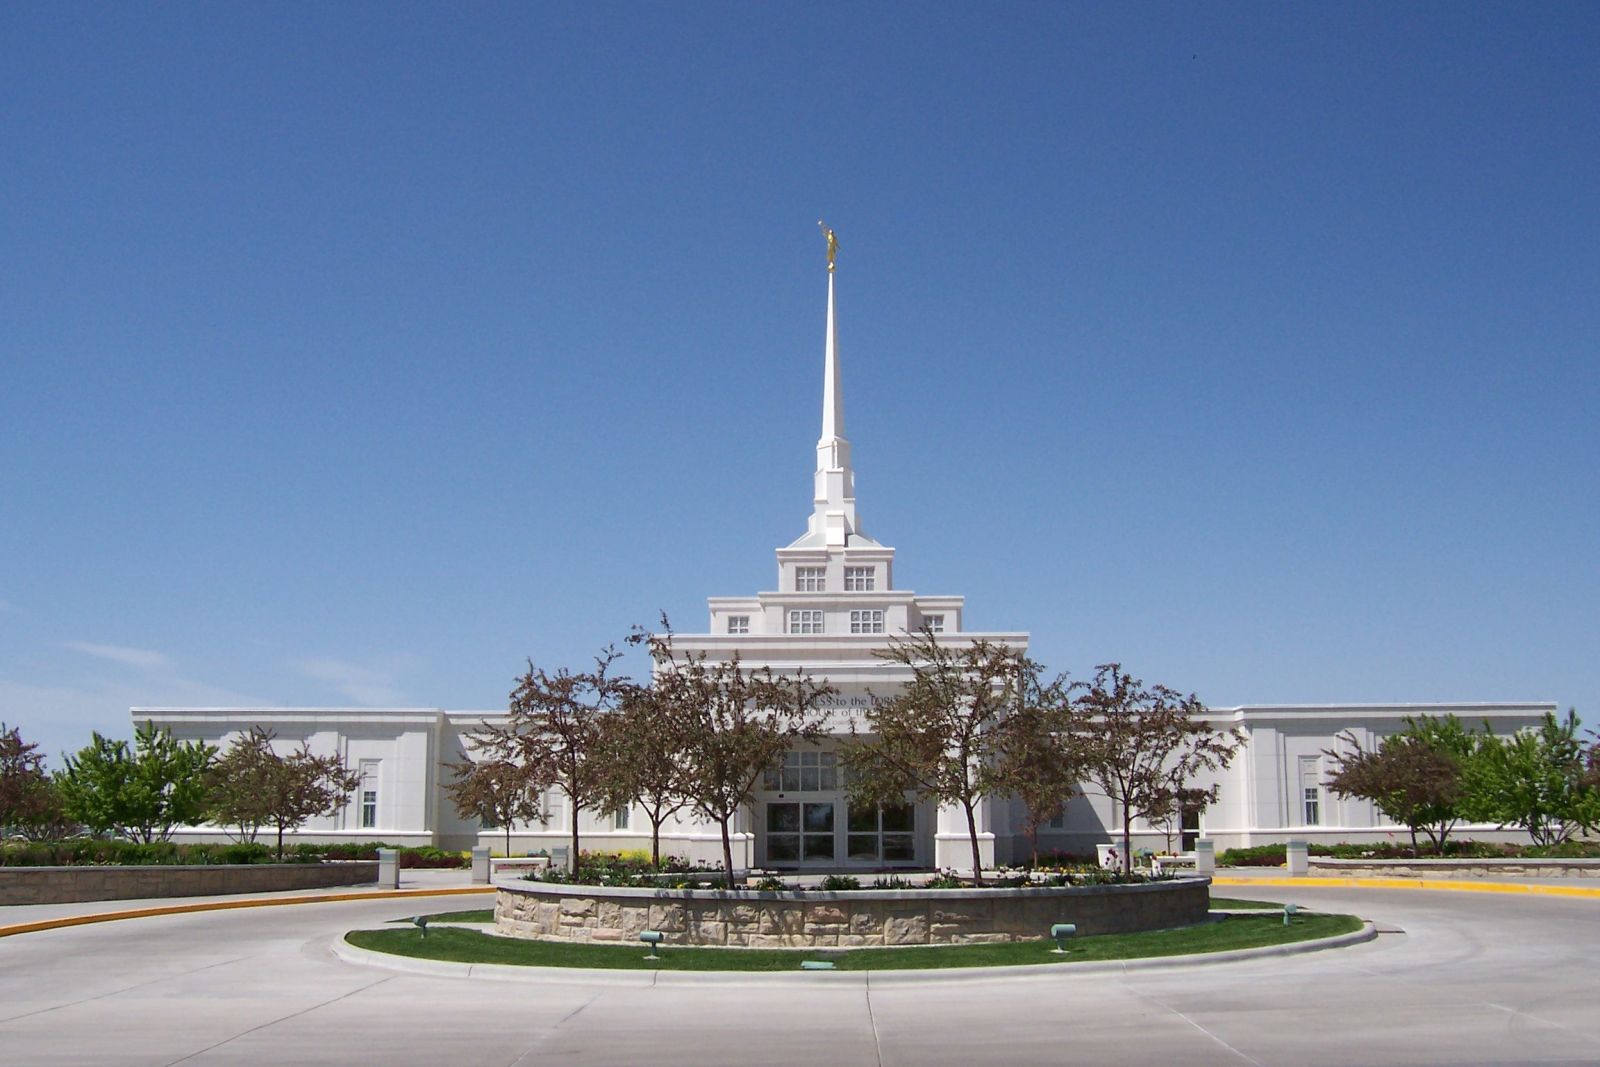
(800, 832)
(882, 835)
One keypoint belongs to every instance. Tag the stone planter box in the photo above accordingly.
(63, 885)
(872, 918)
(1454, 868)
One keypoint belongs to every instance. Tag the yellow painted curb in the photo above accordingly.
(1458, 885)
(225, 905)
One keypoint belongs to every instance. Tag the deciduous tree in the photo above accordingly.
(28, 798)
(552, 728)
(1040, 762)
(643, 760)
(497, 792)
(941, 734)
(238, 782)
(733, 723)
(252, 786)
(1412, 782)
(140, 792)
(1142, 743)
(1537, 779)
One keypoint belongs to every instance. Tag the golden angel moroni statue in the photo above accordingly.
(833, 243)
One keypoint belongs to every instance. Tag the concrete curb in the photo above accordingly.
(1031, 972)
(63, 921)
(1456, 884)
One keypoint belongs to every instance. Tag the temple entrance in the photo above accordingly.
(801, 832)
(882, 836)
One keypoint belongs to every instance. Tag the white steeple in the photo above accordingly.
(833, 517)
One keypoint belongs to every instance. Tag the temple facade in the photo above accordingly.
(834, 608)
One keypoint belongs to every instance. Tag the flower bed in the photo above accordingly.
(858, 918)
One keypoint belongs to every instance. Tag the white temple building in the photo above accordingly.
(835, 605)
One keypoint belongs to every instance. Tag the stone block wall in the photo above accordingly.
(864, 919)
(62, 885)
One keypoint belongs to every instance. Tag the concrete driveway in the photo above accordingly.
(1474, 978)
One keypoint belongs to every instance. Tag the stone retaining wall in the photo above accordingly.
(1453, 868)
(864, 919)
(63, 885)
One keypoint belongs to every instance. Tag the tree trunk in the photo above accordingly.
(727, 849)
(1127, 840)
(972, 834)
(575, 812)
(508, 838)
(280, 842)
(655, 841)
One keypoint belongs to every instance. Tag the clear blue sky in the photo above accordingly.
(354, 354)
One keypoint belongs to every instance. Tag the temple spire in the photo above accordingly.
(834, 503)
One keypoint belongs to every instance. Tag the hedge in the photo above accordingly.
(110, 852)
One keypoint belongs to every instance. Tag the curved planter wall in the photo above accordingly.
(865, 919)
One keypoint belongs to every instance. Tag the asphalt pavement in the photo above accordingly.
(1460, 978)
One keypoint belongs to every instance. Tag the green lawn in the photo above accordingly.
(1233, 932)
(1219, 902)
(482, 915)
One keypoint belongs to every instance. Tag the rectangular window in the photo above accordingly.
(369, 794)
(803, 772)
(619, 818)
(859, 579)
(810, 579)
(1311, 790)
(1060, 821)
(867, 622)
(805, 622)
(933, 623)
(738, 624)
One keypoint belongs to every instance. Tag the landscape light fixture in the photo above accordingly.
(652, 938)
(1288, 912)
(421, 923)
(1062, 931)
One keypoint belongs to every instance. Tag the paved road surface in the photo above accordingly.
(1473, 979)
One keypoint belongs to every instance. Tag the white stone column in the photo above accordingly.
(952, 845)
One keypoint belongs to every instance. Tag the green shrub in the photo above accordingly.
(1254, 856)
(1273, 855)
(87, 851)
(839, 883)
(428, 856)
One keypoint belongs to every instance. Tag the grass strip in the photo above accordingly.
(1216, 902)
(1231, 932)
(481, 915)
